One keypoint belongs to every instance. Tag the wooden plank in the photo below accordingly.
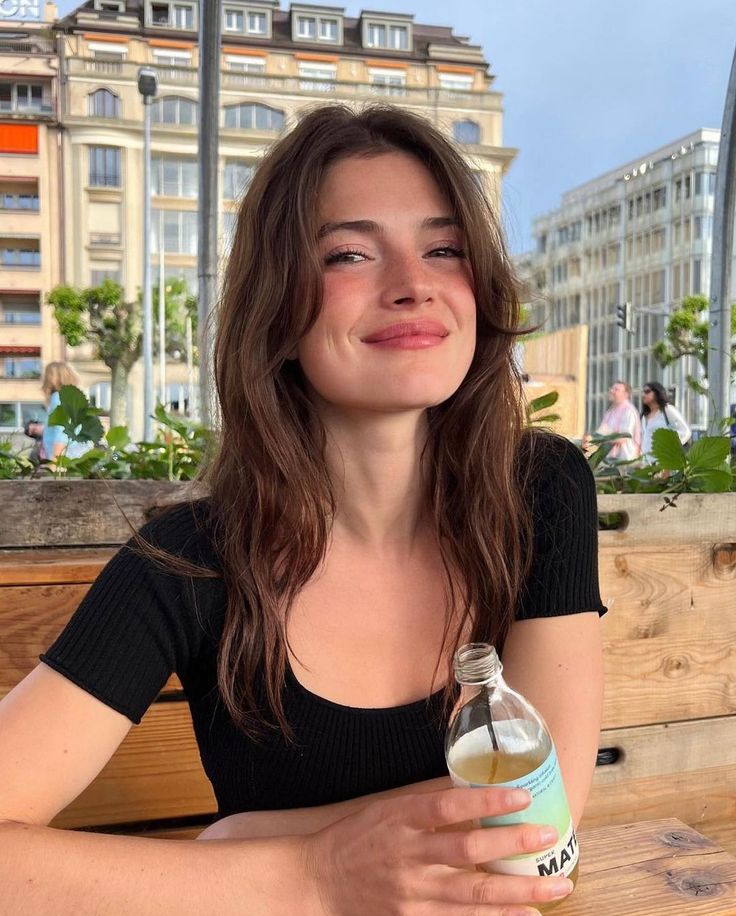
(64, 566)
(155, 773)
(650, 869)
(686, 770)
(669, 636)
(709, 517)
(71, 513)
(31, 617)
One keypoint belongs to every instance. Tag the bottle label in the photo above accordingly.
(548, 806)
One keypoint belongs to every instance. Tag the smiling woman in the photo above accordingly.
(374, 502)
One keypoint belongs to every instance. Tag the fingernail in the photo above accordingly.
(561, 887)
(547, 834)
(518, 798)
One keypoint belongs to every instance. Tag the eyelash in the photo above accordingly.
(336, 256)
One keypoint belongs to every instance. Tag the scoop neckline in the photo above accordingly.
(414, 705)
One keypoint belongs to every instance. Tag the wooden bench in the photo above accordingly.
(668, 748)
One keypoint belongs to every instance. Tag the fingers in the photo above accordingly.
(452, 806)
(473, 910)
(473, 847)
(482, 890)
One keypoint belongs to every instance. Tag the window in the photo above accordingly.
(686, 187)
(678, 189)
(236, 179)
(180, 231)
(705, 183)
(20, 254)
(20, 309)
(317, 77)
(306, 27)
(659, 198)
(172, 64)
(697, 276)
(234, 20)
(253, 116)
(22, 97)
(174, 177)
(182, 17)
(657, 287)
(245, 71)
(104, 104)
(256, 23)
(384, 35)
(456, 82)
(20, 367)
(387, 82)
(174, 109)
(328, 30)
(99, 395)
(398, 37)
(15, 414)
(98, 276)
(173, 15)
(104, 167)
(376, 36)
(466, 131)
(19, 200)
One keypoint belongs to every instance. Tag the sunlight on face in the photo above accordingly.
(396, 330)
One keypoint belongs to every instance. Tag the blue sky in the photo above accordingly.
(588, 84)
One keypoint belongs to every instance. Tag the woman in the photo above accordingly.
(54, 440)
(374, 502)
(658, 413)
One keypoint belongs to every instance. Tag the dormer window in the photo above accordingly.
(315, 24)
(110, 6)
(234, 20)
(387, 33)
(170, 14)
(257, 24)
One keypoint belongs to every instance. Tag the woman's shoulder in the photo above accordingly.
(185, 530)
(547, 459)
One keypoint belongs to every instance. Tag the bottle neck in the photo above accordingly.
(477, 665)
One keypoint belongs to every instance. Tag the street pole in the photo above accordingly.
(161, 313)
(147, 86)
(210, 22)
(719, 331)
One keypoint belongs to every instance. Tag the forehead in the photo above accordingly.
(367, 185)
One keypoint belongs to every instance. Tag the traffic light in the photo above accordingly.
(625, 316)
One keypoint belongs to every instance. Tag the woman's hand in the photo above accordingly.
(401, 857)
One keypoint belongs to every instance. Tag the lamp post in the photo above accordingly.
(147, 86)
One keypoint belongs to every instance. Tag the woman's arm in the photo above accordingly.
(392, 855)
(557, 664)
(678, 423)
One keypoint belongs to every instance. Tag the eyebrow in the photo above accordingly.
(368, 226)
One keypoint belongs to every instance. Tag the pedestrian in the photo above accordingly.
(54, 440)
(658, 413)
(621, 417)
(377, 499)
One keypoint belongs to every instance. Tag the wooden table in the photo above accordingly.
(652, 868)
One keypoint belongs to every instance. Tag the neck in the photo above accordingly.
(375, 463)
(653, 408)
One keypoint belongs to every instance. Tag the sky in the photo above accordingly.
(588, 85)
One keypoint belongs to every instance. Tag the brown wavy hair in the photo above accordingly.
(272, 500)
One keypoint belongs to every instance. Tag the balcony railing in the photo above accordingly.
(234, 81)
(24, 318)
(26, 107)
(34, 46)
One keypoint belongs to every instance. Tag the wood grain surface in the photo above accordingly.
(659, 868)
(695, 517)
(155, 773)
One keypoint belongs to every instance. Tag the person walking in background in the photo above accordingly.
(658, 413)
(54, 440)
(621, 417)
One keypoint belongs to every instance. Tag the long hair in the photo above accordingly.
(55, 375)
(660, 396)
(272, 500)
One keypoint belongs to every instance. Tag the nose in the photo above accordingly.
(407, 282)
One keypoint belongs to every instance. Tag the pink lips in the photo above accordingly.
(409, 335)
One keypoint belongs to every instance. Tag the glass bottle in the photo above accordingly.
(496, 737)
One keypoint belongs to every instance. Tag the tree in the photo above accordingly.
(686, 334)
(179, 304)
(100, 315)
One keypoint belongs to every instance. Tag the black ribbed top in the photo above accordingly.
(138, 624)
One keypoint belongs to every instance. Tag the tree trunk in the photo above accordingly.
(119, 395)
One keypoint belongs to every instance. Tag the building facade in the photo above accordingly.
(31, 238)
(640, 234)
(274, 64)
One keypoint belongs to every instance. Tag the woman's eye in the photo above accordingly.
(447, 251)
(344, 257)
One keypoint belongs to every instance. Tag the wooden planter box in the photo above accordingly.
(668, 578)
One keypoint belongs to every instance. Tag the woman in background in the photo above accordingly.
(54, 441)
(658, 413)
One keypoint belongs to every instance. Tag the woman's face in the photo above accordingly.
(647, 397)
(396, 330)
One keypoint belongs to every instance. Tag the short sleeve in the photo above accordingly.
(135, 626)
(563, 577)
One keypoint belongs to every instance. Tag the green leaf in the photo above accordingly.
(711, 481)
(544, 401)
(547, 418)
(709, 452)
(668, 450)
(117, 437)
